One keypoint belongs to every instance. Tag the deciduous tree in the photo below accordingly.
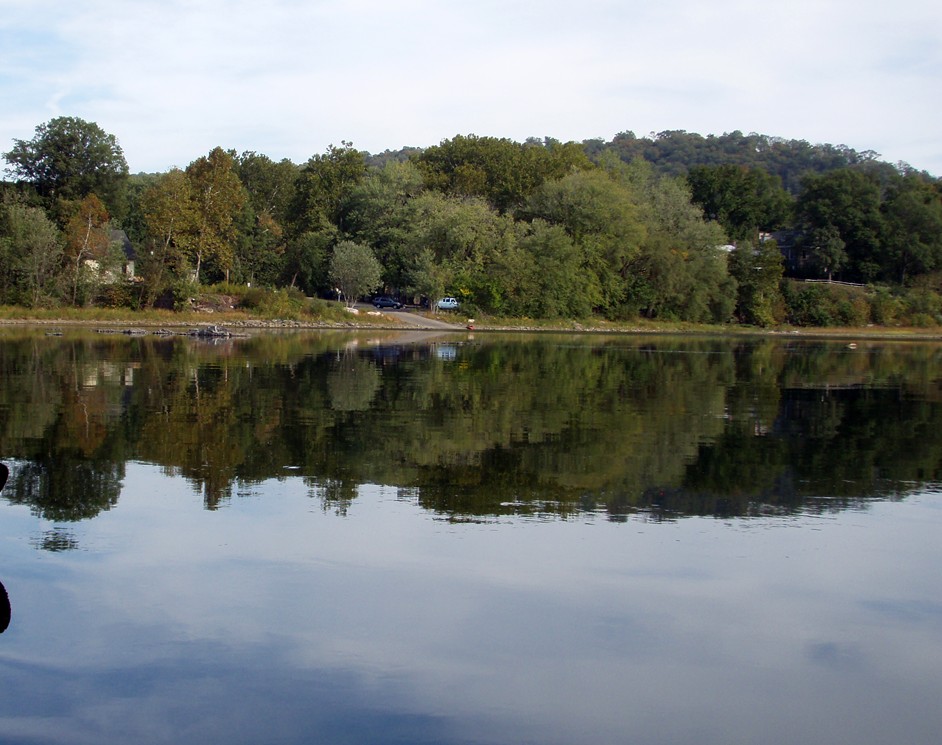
(601, 217)
(87, 246)
(32, 246)
(502, 171)
(69, 158)
(218, 197)
(323, 188)
(354, 270)
(758, 272)
(743, 200)
(846, 203)
(169, 216)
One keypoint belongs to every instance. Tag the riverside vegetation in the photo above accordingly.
(672, 229)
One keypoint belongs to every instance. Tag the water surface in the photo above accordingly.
(553, 539)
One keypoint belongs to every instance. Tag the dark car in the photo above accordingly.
(386, 302)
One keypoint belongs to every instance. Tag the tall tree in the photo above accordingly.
(502, 171)
(261, 241)
(87, 246)
(743, 200)
(269, 185)
(912, 213)
(218, 198)
(69, 158)
(169, 215)
(382, 215)
(602, 218)
(758, 271)
(846, 204)
(679, 271)
(466, 236)
(323, 188)
(828, 250)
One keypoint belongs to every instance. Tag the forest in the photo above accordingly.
(747, 229)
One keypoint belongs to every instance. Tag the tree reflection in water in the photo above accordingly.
(553, 425)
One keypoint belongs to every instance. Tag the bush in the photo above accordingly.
(826, 305)
(807, 305)
(227, 288)
(286, 303)
(853, 311)
(923, 307)
(885, 308)
(119, 295)
(923, 321)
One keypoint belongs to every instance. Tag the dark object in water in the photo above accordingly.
(5, 610)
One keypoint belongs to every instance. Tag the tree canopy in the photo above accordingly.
(69, 158)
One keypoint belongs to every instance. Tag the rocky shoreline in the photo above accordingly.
(244, 327)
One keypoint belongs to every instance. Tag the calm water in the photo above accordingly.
(407, 539)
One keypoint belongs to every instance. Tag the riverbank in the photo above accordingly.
(368, 319)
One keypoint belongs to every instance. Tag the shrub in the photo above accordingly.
(924, 305)
(885, 308)
(828, 305)
(923, 320)
(119, 295)
(287, 303)
(853, 311)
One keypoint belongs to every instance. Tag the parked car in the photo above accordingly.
(383, 301)
(448, 303)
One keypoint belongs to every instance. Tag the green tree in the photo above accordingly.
(218, 198)
(502, 171)
(269, 185)
(69, 158)
(426, 277)
(679, 271)
(307, 258)
(846, 203)
(382, 212)
(828, 250)
(743, 200)
(32, 248)
(323, 189)
(553, 282)
(601, 217)
(912, 215)
(261, 228)
(465, 236)
(169, 216)
(354, 270)
(758, 271)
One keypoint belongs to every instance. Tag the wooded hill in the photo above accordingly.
(674, 226)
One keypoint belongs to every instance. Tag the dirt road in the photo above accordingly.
(424, 322)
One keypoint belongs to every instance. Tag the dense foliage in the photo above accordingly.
(674, 226)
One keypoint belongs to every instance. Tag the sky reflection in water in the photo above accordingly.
(275, 620)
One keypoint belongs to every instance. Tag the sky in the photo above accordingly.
(172, 79)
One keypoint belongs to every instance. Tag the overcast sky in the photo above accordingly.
(172, 79)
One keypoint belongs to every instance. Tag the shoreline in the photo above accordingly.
(237, 327)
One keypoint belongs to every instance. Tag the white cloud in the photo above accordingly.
(287, 78)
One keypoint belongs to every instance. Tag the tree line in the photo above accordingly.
(675, 226)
